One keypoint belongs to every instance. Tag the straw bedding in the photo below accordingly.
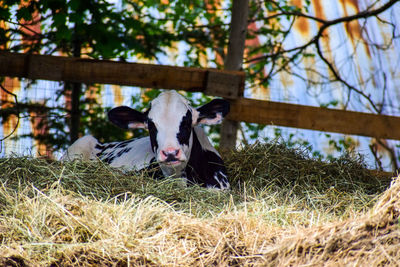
(285, 208)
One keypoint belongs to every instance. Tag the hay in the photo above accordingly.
(372, 239)
(280, 175)
(101, 182)
(285, 208)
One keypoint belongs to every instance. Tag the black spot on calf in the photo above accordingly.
(205, 167)
(153, 135)
(109, 160)
(123, 151)
(185, 128)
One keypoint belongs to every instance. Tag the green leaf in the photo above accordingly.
(59, 19)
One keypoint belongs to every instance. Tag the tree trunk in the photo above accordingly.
(233, 61)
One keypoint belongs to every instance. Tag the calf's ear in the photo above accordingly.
(213, 112)
(127, 118)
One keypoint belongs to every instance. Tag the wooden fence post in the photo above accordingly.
(233, 61)
(76, 92)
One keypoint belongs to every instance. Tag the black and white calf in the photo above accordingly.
(175, 140)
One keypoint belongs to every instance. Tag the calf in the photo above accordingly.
(175, 141)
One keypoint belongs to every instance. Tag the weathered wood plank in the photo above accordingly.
(224, 84)
(315, 118)
(220, 83)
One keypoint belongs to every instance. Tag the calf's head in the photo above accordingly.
(170, 121)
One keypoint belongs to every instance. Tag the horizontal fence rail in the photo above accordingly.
(228, 84)
(315, 118)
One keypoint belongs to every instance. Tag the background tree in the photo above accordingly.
(314, 60)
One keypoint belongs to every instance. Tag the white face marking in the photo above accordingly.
(166, 112)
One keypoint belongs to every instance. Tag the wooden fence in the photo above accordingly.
(228, 84)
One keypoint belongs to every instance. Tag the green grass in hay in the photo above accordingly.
(100, 181)
(269, 180)
(300, 182)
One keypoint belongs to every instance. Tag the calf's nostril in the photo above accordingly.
(170, 155)
(167, 153)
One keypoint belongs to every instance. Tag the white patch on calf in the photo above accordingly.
(83, 148)
(138, 156)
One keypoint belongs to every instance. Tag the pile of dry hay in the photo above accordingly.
(284, 209)
(369, 240)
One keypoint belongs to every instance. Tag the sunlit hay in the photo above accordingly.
(372, 239)
(278, 213)
(47, 224)
(61, 228)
